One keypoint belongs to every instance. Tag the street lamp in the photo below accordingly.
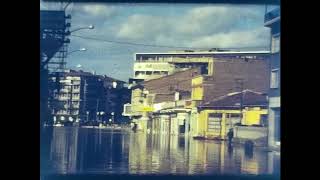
(112, 114)
(100, 115)
(87, 115)
(88, 27)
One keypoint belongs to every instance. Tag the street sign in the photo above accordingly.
(147, 109)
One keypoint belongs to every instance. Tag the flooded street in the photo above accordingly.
(101, 151)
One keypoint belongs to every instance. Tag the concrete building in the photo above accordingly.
(231, 75)
(149, 66)
(116, 95)
(83, 97)
(247, 119)
(159, 94)
(272, 21)
(171, 101)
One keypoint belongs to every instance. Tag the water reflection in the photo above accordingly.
(79, 150)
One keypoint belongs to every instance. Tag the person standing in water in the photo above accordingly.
(230, 136)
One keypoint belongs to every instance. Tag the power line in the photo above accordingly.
(153, 45)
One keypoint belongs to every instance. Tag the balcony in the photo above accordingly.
(272, 16)
(127, 110)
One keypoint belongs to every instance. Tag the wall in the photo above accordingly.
(273, 125)
(175, 60)
(194, 122)
(274, 93)
(162, 69)
(203, 123)
(197, 88)
(169, 84)
(250, 116)
(250, 132)
(136, 101)
(255, 75)
(256, 134)
(275, 64)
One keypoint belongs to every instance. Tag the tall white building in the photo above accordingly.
(149, 66)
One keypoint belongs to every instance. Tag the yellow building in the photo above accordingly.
(140, 108)
(215, 118)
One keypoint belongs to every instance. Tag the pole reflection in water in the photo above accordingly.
(80, 150)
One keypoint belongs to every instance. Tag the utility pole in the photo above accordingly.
(97, 109)
(84, 105)
(71, 94)
(239, 83)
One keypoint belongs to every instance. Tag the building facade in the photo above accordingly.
(169, 104)
(83, 97)
(227, 112)
(158, 94)
(149, 66)
(272, 21)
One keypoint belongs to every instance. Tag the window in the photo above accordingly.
(75, 112)
(64, 95)
(127, 109)
(76, 95)
(149, 72)
(164, 72)
(137, 73)
(275, 44)
(233, 118)
(274, 78)
(156, 72)
(214, 122)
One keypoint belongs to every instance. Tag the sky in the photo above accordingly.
(197, 26)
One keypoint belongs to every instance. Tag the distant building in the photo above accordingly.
(149, 66)
(162, 90)
(117, 94)
(171, 101)
(272, 21)
(83, 97)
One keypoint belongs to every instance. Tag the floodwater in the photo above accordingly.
(101, 151)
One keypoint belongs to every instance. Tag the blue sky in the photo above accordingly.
(192, 25)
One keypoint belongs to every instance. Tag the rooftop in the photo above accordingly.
(232, 100)
(206, 52)
(71, 72)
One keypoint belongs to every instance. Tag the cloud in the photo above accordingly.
(199, 26)
(92, 14)
(202, 26)
(258, 37)
(98, 10)
(204, 20)
(142, 26)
